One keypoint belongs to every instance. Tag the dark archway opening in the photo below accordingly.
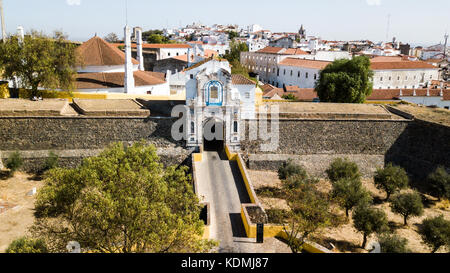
(213, 136)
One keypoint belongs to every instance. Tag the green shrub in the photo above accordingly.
(290, 169)
(391, 179)
(297, 181)
(435, 232)
(369, 220)
(14, 162)
(439, 182)
(277, 216)
(26, 245)
(407, 204)
(349, 193)
(51, 162)
(391, 243)
(343, 168)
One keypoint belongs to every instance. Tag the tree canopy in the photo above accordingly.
(391, 179)
(155, 37)
(346, 81)
(123, 200)
(439, 182)
(112, 38)
(435, 232)
(349, 193)
(235, 51)
(39, 61)
(407, 204)
(369, 220)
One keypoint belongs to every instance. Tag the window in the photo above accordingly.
(306, 75)
(390, 78)
(315, 76)
(214, 92)
(247, 95)
(191, 76)
(168, 54)
(292, 73)
(284, 72)
(406, 78)
(381, 79)
(278, 72)
(236, 127)
(192, 127)
(299, 74)
(149, 92)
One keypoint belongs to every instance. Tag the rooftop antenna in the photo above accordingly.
(126, 12)
(3, 21)
(388, 27)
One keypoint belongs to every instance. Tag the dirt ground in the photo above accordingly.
(346, 238)
(438, 115)
(15, 221)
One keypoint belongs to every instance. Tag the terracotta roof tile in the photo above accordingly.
(156, 45)
(98, 52)
(116, 80)
(304, 63)
(401, 65)
(241, 80)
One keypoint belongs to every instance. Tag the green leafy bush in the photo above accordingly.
(51, 162)
(391, 179)
(407, 204)
(343, 168)
(391, 243)
(369, 220)
(349, 193)
(26, 245)
(435, 232)
(439, 182)
(14, 162)
(291, 169)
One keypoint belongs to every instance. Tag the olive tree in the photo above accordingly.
(407, 204)
(349, 193)
(392, 243)
(343, 168)
(439, 181)
(123, 200)
(435, 232)
(391, 179)
(369, 220)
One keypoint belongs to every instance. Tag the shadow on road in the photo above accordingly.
(237, 226)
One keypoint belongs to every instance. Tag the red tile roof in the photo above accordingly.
(401, 65)
(304, 63)
(241, 80)
(281, 50)
(98, 52)
(116, 80)
(157, 45)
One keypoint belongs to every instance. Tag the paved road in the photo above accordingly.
(220, 183)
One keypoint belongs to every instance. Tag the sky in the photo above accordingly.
(417, 22)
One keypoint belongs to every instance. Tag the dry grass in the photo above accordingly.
(15, 222)
(345, 237)
(438, 115)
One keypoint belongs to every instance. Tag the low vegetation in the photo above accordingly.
(27, 245)
(391, 179)
(391, 243)
(14, 163)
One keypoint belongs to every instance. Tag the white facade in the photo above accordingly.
(303, 77)
(403, 78)
(169, 52)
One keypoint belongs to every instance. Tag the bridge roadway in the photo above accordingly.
(220, 183)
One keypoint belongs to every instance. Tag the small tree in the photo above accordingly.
(51, 161)
(391, 179)
(407, 204)
(349, 193)
(309, 213)
(391, 243)
(26, 245)
(369, 220)
(435, 232)
(121, 201)
(439, 181)
(14, 162)
(39, 62)
(343, 168)
(346, 81)
(289, 169)
(112, 38)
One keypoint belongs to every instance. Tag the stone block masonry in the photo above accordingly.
(79, 137)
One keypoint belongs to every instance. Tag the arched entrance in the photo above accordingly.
(213, 135)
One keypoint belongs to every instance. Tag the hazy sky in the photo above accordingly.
(413, 21)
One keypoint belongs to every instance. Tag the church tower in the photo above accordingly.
(302, 32)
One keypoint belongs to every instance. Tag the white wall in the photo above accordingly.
(166, 53)
(289, 75)
(404, 79)
(428, 101)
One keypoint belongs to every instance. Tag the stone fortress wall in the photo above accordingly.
(417, 145)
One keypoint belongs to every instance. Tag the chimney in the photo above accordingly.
(20, 34)
(140, 56)
(3, 21)
(189, 57)
(129, 75)
(168, 75)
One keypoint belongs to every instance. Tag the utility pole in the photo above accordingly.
(3, 21)
(445, 45)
